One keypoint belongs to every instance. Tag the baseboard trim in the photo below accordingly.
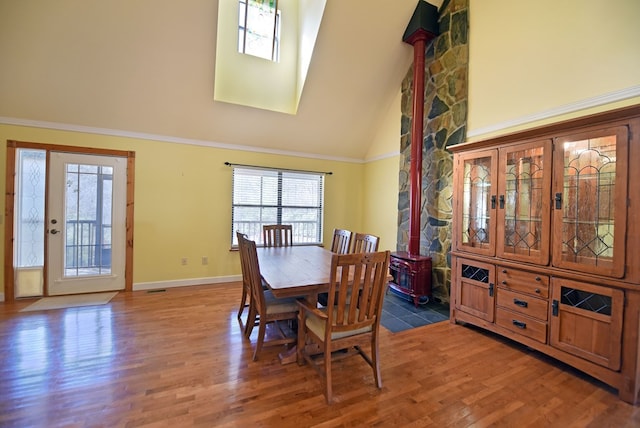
(142, 286)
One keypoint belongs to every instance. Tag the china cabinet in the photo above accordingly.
(545, 251)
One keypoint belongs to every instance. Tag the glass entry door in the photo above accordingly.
(85, 226)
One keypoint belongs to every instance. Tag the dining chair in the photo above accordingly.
(268, 308)
(365, 243)
(247, 294)
(277, 235)
(341, 241)
(351, 317)
(340, 244)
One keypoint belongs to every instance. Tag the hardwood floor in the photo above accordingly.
(178, 358)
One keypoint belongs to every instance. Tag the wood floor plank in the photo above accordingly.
(178, 358)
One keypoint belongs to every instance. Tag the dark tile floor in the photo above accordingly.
(399, 313)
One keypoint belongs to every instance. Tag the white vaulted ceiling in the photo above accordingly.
(147, 68)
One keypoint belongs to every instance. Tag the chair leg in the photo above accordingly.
(261, 332)
(327, 373)
(251, 321)
(302, 337)
(243, 302)
(376, 361)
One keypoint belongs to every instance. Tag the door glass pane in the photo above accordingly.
(476, 201)
(589, 200)
(524, 192)
(30, 182)
(88, 207)
(29, 222)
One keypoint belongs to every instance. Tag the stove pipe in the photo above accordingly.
(422, 28)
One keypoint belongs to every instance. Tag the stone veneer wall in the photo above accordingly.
(445, 117)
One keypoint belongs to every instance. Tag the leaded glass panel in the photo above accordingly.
(476, 203)
(523, 200)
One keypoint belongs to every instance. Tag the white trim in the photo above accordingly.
(611, 97)
(382, 157)
(165, 138)
(185, 282)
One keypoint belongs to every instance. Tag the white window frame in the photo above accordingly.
(246, 29)
(261, 196)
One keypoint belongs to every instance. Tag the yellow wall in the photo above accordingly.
(532, 63)
(380, 206)
(183, 200)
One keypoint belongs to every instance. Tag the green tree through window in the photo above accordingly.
(259, 28)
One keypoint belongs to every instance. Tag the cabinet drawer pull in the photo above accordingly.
(538, 279)
(537, 290)
(504, 282)
(519, 324)
(520, 303)
(504, 271)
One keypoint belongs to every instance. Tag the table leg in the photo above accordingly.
(291, 355)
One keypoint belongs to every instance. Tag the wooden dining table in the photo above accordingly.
(300, 271)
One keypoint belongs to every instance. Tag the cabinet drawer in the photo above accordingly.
(522, 324)
(524, 304)
(525, 282)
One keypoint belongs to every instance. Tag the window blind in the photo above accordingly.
(272, 196)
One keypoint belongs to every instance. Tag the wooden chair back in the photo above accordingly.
(277, 235)
(341, 242)
(243, 261)
(365, 243)
(247, 291)
(252, 267)
(356, 293)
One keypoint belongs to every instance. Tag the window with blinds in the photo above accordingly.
(271, 196)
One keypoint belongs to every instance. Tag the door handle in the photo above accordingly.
(54, 231)
(558, 199)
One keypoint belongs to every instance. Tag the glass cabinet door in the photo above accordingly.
(524, 202)
(590, 201)
(476, 175)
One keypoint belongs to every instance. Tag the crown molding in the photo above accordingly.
(382, 157)
(611, 97)
(166, 139)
